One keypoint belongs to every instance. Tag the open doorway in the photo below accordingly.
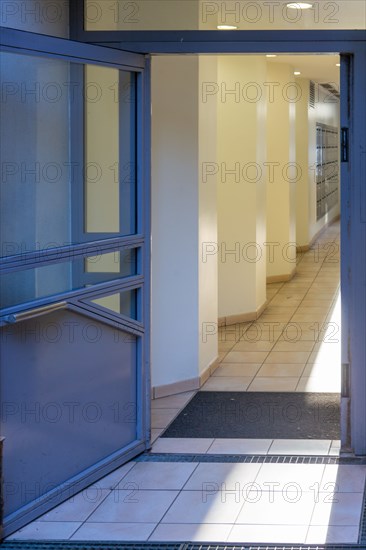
(267, 235)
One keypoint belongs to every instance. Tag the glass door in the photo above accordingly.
(74, 291)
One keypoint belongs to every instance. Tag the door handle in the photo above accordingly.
(31, 313)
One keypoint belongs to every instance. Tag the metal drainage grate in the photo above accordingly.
(265, 459)
(28, 545)
(51, 545)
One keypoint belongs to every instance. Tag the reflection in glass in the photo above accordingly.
(123, 303)
(29, 284)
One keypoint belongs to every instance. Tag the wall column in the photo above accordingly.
(184, 289)
(282, 173)
(241, 187)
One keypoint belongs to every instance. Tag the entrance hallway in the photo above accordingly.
(203, 499)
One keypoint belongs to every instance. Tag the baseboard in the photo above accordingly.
(285, 277)
(306, 247)
(242, 317)
(182, 386)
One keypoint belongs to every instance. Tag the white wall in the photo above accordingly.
(241, 196)
(183, 214)
(207, 200)
(281, 172)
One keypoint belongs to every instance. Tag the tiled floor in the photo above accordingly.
(294, 346)
(212, 502)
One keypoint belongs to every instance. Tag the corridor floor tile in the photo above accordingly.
(214, 477)
(300, 446)
(78, 507)
(133, 506)
(159, 476)
(114, 531)
(191, 531)
(204, 506)
(227, 383)
(332, 534)
(268, 534)
(50, 530)
(240, 446)
(237, 369)
(181, 445)
(344, 478)
(338, 509)
(303, 475)
(280, 383)
(277, 508)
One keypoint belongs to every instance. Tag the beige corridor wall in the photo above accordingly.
(184, 290)
(241, 185)
(281, 171)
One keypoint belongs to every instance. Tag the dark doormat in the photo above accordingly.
(259, 415)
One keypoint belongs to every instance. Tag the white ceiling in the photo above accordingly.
(320, 68)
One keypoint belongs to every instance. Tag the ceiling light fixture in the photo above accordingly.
(300, 5)
(338, 64)
(271, 55)
(226, 27)
(297, 73)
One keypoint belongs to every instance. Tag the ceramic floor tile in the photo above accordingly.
(299, 345)
(172, 401)
(111, 480)
(46, 530)
(318, 385)
(133, 506)
(204, 506)
(158, 475)
(237, 369)
(282, 476)
(227, 383)
(114, 531)
(290, 370)
(245, 357)
(221, 476)
(344, 510)
(240, 446)
(277, 508)
(265, 534)
(193, 532)
(332, 534)
(256, 345)
(287, 357)
(281, 383)
(78, 507)
(160, 418)
(300, 446)
(181, 445)
(344, 478)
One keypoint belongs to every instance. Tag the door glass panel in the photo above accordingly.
(125, 15)
(35, 184)
(123, 303)
(29, 284)
(45, 183)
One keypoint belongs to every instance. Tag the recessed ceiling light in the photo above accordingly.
(300, 5)
(297, 73)
(271, 55)
(338, 64)
(226, 27)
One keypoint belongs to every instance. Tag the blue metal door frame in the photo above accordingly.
(75, 301)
